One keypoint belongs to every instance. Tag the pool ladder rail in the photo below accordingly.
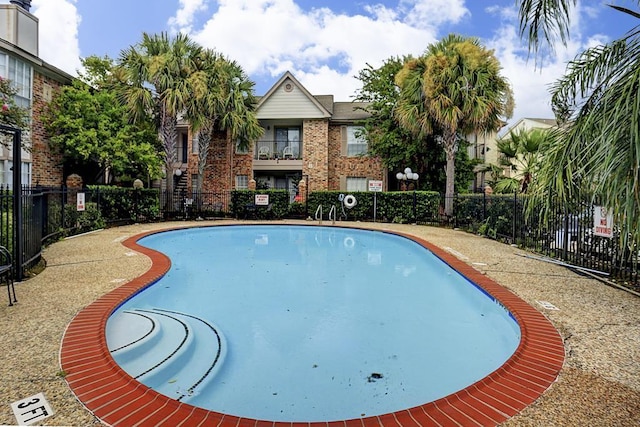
(332, 214)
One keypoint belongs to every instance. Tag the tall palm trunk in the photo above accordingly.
(450, 148)
(169, 137)
(204, 142)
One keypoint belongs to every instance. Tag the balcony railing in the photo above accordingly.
(281, 150)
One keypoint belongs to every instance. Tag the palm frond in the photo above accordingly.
(547, 19)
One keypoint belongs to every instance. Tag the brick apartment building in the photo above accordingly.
(306, 138)
(36, 82)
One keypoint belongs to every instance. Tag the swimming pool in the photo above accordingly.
(308, 324)
(117, 399)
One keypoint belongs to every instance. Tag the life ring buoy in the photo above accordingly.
(348, 242)
(349, 201)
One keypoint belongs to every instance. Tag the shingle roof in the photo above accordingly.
(326, 101)
(349, 111)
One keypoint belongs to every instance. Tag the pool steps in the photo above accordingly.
(173, 353)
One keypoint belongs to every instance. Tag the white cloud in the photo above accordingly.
(58, 26)
(428, 13)
(532, 77)
(324, 49)
(183, 19)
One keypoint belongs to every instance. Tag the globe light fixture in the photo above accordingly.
(407, 176)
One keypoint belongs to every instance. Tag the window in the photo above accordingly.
(242, 182)
(19, 73)
(356, 184)
(194, 184)
(6, 173)
(26, 173)
(356, 142)
(239, 149)
(288, 137)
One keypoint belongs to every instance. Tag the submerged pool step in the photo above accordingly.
(177, 356)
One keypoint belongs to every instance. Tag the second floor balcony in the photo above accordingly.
(278, 150)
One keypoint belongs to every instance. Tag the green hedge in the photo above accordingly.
(390, 206)
(125, 204)
(278, 207)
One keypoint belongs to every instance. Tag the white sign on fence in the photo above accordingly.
(375, 186)
(262, 200)
(79, 202)
(31, 410)
(602, 222)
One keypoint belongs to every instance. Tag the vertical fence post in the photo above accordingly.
(18, 231)
(514, 215)
(565, 237)
(17, 202)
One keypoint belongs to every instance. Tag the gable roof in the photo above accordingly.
(531, 123)
(323, 111)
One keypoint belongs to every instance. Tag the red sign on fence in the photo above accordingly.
(80, 202)
(602, 222)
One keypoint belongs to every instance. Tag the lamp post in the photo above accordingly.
(406, 177)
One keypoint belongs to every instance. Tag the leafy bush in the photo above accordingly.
(76, 222)
(125, 204)
(390, 206)
(243, 204)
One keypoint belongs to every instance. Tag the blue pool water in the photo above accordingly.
(300, 323)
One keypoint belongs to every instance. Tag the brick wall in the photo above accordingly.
(323, 160)
(47, 165)
(343, 166)
(316, 155)
(223, 165)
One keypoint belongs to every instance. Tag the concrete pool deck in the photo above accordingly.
(598, 385)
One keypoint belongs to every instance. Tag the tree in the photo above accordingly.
(454, 89)
(90, 128)
(165, 77)
(176, 77)
(231, 106)
(519, 152)
(396, 146)
(597, 152)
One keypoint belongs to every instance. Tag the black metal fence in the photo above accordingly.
(194, 205)
(566, 234)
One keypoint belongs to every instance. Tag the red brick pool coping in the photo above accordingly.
(119, 400)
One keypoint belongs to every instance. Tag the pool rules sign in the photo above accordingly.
(31, 410)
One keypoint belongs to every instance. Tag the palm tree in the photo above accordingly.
(598, 152)
(164, 76)
(454, 89)
(519, 152)
(230, 104)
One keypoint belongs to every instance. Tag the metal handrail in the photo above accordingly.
(319, 210)
(332, 214)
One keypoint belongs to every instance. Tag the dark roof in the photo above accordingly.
(326, 101)
(349, 111)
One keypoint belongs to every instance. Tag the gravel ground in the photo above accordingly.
(598, 386)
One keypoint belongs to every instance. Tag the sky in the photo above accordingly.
(324, 43)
